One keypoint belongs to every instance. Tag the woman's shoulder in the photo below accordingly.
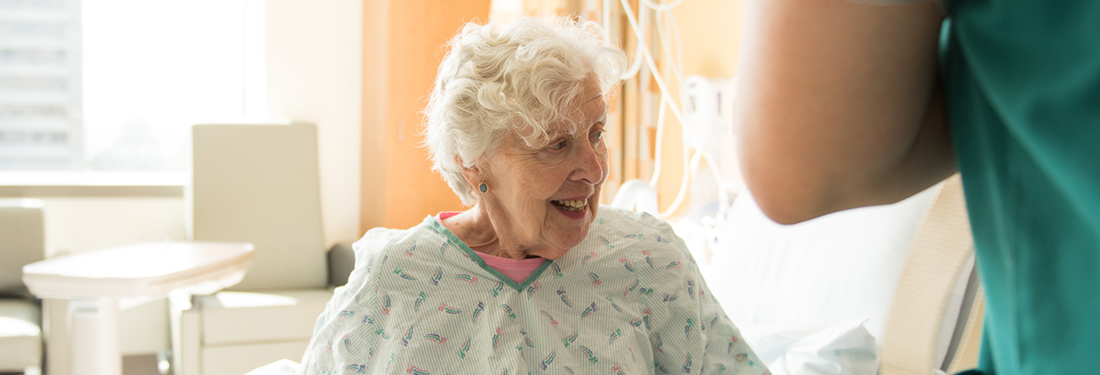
(381, 240)
(376, 239)
(640, 233)
(646, 246)
(630, 222)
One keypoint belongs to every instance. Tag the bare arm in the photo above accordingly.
(839, 105)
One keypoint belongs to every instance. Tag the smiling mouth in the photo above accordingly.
(575, 205)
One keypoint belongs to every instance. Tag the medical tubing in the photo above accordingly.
(665, 98)
(675, 69)
(649, 59)
(660, 141)
(661, 7)
(639, 58)
(673, 65)
(679, 45)
(606, 21)
(676, 65)
(635, 66)
(683, 188)
(657, 151)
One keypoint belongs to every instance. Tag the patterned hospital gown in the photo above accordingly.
(629, 299)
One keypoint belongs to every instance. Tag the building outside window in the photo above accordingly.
(40, 76)
(113, 85)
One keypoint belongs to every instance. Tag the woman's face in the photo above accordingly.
(544, 199)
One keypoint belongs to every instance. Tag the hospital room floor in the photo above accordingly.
(131, 365)
(140, 365)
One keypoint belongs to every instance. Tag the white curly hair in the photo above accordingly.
(514, 79)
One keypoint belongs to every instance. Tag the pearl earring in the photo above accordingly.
(483, 187)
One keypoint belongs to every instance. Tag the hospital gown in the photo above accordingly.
(629, 299)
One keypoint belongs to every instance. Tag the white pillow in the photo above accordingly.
(826, 272)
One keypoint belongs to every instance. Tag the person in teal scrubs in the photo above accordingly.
(847, 104)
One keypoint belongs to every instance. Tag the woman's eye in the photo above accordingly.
(558, 146)
(598, 135)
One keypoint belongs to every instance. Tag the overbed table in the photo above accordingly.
(94, 282)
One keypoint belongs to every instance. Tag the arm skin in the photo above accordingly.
(840, 105)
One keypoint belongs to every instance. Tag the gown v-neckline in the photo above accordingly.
(477, 258)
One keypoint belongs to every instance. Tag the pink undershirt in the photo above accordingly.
(516, 269)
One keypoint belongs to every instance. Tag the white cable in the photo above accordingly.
(657, 152)
(635, 66)
(657, 164)
(677, 72)
(683, 189)
(639, 58)
(665, 99)
(606, 21)
(679, 45)
(649, 60)
(661, 7)
(695, 161)
(677, 67)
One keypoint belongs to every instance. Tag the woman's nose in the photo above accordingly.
(589, 165)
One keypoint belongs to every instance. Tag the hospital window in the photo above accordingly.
(113, 85)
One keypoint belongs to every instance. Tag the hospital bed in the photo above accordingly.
(887, 289)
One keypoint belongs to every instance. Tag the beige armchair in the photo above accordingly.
(256, 184)
(22, 241)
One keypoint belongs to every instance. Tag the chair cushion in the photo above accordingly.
(254, 317)
(24, 242)
(20, 334)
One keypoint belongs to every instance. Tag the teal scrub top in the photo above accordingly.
(1022, 82)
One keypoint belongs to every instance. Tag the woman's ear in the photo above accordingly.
(473, 175)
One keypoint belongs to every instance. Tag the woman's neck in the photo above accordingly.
(477, 229)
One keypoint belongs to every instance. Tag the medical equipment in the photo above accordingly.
(704, 112)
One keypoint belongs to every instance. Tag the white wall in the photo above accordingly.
(314, 63)
(76, 225)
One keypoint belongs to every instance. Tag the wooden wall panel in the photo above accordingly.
(396, 173)
(372, 199)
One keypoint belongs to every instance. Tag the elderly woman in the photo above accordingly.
(535, 277)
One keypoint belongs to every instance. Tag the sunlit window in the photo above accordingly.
(112, 85)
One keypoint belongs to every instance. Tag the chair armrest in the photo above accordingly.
(341, 261)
